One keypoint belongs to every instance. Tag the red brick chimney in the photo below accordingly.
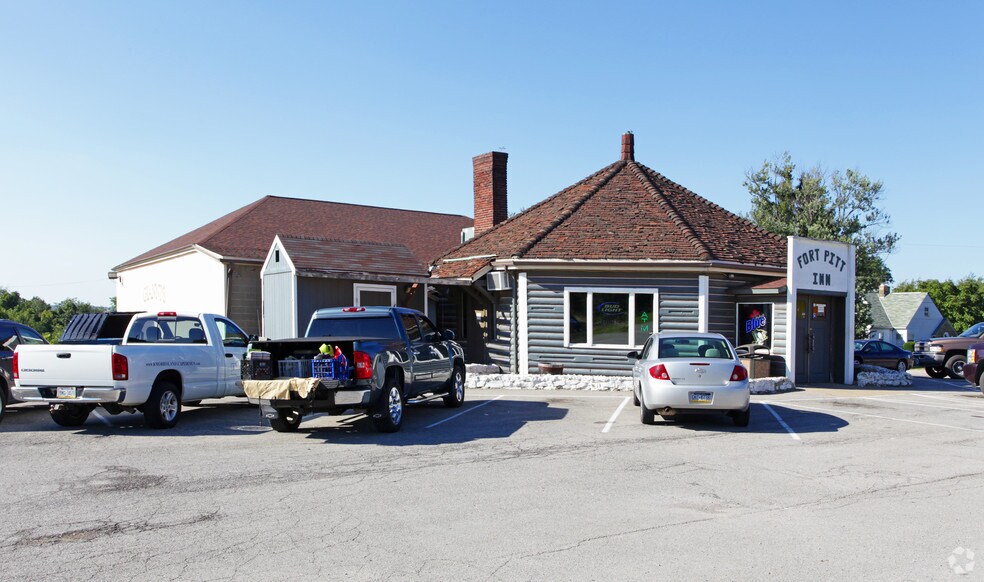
(490, 190)
(628, 147)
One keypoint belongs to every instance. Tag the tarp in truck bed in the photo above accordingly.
(279, 389)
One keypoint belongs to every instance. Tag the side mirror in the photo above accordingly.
(633, 355)
(447, 335)
(254, 338)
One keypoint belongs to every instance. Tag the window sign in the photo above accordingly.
(755, 324)
(609, 317)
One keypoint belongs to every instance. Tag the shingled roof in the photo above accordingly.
(247, 233)
(319, 255)
(624, 211)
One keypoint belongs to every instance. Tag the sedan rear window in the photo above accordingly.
(362, 327)
(694, 347)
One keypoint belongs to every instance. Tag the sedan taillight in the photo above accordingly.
(121, 368)
(739, 374)
(16, 367)
(363, 365)
(659, 372)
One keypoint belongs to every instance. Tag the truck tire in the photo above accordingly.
(387, 414)
(288, 419)
(70, 415)
(954, 366)
(456, 388)
(163, 407)
(936, 372)
(980, 383)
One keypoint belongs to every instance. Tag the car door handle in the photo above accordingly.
(64, 355)
(230, 355)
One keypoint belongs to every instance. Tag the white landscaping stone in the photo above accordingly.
(876, 376)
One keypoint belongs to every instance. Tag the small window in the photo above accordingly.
(232, 336)
(427, 330)
(410, 323)
(926, 311)
(8, 338)
(276, 256)
(29, 336)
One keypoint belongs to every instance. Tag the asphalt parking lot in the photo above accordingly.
(826, 482)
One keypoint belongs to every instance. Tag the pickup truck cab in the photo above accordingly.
(393, 355)
(162, 360)
(944, 356)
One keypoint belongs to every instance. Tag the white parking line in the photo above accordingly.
(782, 422)
(463, 412)
(962, 400)
(961, 385)
(618, 411)
(101, 418)
(836, 412)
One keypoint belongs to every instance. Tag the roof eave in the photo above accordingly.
(636, 265)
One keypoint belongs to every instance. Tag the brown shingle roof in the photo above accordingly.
(625, 211)
(248, 232)
(330, 255)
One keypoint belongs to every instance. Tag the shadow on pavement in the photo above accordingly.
(763, 422)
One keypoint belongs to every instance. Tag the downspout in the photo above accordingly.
(513, 344)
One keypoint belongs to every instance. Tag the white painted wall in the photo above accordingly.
(193, 282)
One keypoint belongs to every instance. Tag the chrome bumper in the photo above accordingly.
(93, 395)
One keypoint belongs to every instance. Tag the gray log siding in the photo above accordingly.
(498, 347)
(678, 311)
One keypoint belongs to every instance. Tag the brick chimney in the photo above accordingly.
(490, 190)
(884, 290)
(628, 147)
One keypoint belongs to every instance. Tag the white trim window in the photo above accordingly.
(359, 288)
(601, 316)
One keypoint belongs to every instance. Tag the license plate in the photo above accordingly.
(61, 392)
(701, 397)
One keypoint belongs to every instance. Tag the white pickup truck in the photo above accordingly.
(162, 360)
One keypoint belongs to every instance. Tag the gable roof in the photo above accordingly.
(321, 255)
(248, 232)
(895, 310)
(625, 211)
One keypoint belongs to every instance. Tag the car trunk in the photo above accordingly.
(699, 372)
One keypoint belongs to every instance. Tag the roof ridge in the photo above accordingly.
(688, 232)
(715, 206)
(618, 166)
(340, 240)
(520, 214)
(365, 206)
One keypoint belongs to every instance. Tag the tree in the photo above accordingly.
(830, 206)
(48, 320)
(961, 302)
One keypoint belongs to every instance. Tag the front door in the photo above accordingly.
(817, 344)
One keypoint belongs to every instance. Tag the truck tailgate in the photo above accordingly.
(65, 365)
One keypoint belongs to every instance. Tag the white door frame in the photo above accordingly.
(359, 287)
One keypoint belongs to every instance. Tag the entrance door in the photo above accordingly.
(819, 346)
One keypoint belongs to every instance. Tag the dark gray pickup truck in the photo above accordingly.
(390, 355)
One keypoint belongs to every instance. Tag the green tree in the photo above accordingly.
(49, 320)
(962, 302)
(842, 206)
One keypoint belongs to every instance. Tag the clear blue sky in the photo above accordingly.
(126, 124)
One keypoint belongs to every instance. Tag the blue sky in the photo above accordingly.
(126, 124)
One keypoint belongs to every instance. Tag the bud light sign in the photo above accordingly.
(755, 324)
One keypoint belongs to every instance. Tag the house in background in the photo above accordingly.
(589, 273)
(216, 268)
(902, 317)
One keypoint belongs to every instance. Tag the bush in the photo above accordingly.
(910, 345)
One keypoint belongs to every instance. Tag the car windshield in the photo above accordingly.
(858, 346)
(694, 347)
(374, 327)
(974, 330)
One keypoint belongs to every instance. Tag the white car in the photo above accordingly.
(685, 373)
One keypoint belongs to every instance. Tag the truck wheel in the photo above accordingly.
(955, 366)
(70, 415)
(163, 407)
(456, 388)
(288, 419)
(980, 383)
(936, 372)
(387, 415)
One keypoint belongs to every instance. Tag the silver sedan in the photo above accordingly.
(685, 373)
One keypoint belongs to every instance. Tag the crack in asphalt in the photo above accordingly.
(104, 529)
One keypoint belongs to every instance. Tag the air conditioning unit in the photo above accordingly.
(498, 281)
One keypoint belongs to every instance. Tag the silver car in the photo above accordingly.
(685, 373)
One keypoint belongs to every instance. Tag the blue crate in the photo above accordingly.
(329, 369)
